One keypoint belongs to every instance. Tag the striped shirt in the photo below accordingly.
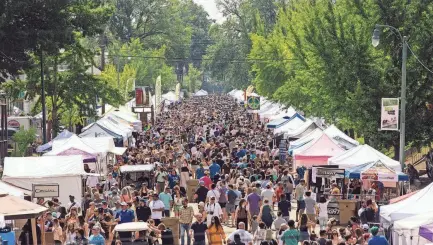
(186, 215)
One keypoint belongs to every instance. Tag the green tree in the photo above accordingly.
(192, 81)
(23, 139)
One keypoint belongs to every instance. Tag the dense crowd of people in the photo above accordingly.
(244, 183)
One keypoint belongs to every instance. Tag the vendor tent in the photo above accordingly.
(277, 123)
(305, 129)
(131, 120)
(13, 208)
(376, 171)
(361, 155)
(315, 134)
(293, 124)
(105, 127)
(73, 146)
(201, 92)
(422, 200)
(47, 147)
(13, 190)
(66, 171)
(342, 138)
(317, 152)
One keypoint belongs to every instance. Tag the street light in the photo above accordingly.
(375, 41)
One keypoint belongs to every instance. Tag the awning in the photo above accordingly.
(277, 123)
(16, 208)
(136, 168)
(118, 150)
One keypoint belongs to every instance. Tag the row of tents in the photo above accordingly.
(312, 142)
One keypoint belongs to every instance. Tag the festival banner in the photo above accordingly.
(139, 96)
(389, 114)
(177, 91)
(379, 172)
(158, 94)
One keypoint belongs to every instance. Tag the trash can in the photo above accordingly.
(192, 186)
(347, 210)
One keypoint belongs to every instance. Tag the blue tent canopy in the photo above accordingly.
(47, 147)
(277, 122)
(356, 172)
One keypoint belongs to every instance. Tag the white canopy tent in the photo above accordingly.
(73, 142)
(201, 92)
(131, 120)
(305, 129)
(294, 123)
(13, 191)
(66, 171)
(360, 155)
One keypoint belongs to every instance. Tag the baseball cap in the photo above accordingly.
(365, 227)
(123, 204)
(201, 182)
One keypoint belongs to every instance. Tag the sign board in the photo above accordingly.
(389, 114)
(327, 173)
(253, 103)
(138, 96)
(14, 124)
(45, 190)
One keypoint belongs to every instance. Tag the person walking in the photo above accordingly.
(186, 214)
(266, 214)
(299, 195)
(322, 209)
(291, 236)
(242, 214)
(215, 232)
(198, 231)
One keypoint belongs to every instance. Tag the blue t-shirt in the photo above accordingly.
(96, 240)
(199, 173)
(166, 199)
(126, 216)
(378, 240)
(241, 153)
(173, 180)
(214, 168)
(291, 237)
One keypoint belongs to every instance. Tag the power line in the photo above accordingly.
(419, 61)
(196, 59)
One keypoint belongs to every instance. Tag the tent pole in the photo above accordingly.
(34, 234)
(42, 225)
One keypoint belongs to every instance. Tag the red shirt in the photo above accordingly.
(207, 181)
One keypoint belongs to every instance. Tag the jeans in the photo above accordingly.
(166, 213)
(184, 228)
(323, 222)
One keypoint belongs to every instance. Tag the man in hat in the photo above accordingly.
(157, 207)
(126, 215)
(96, 238)
(377, 240)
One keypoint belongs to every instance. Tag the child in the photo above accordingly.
(57, 232)
(254, 224)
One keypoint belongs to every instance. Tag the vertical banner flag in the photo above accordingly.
(150, 98)
(177, 91)
(158, 95)
(389, 114)
(139, 96)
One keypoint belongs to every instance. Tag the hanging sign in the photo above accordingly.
(253, 103)
(138, 96)
(45, 190)
(327, 173)
(389, 114)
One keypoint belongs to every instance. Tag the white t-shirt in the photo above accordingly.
(214, 193)
(267, 194)
(156, 205)
(323, 209)
(215, 208)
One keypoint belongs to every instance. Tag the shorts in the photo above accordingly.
(230, 208)
(301, 204)
(222, 204)
(312, 217)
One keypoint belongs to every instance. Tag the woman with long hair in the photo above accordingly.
(215, 233)
(334, 237)
(260, 235)
(322, 209)
(82, 224)
(177, 200)
(70, 234)
(80, 237)
(242, 214)
(303, 228)
(184, 173)
(62, 217)
(125, 195)
(144, 191)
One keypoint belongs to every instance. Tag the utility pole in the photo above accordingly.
(44, 115)
(403, 103)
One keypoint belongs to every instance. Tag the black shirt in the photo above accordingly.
(199, 231)
(143, 213)
(201, 194)
(284, 207)
(321, 241)
(167, 237)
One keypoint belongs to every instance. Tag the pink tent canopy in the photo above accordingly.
(87, 157)
(318, 152)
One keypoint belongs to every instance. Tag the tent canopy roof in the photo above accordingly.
(277, 123)
(63, 135)
(60, 146)
(16, 208)
(355, 173)
(360, 155)
(295, 122)
(39, 167)
(323, 146)
(422, 200)
(13, 191)
(96, 130)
